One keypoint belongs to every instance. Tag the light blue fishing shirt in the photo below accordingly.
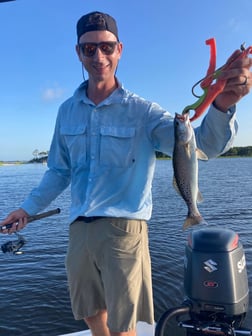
(107, 153)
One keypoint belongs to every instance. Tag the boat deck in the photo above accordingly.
(143, 329)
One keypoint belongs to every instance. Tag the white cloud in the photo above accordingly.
(238, 25)
(234, 24)
(53, 93)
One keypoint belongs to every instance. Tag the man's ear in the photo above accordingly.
(78, 51)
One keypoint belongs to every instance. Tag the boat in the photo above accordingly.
(143, 329)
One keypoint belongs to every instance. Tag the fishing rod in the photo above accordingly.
(33, 218)
(15, 245)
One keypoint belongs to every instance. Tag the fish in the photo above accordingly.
(185, 166)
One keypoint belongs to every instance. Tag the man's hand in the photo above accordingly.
(17, 218)
(239, 82)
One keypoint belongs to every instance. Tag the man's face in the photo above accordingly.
(100, 61)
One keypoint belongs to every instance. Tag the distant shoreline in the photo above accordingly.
(16, 163)
(11, 163)
(234, 152)
(42, 160)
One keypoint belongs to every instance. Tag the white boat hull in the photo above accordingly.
(143, 329)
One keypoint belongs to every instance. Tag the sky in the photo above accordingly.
(164, 55)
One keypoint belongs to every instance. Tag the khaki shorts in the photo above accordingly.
(108, 267)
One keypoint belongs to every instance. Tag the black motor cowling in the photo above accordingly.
(215, 276)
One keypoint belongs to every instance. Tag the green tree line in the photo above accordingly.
(239, 151)
(234, 151)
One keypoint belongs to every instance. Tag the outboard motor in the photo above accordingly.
(215, 284)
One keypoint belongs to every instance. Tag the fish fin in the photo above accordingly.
(201, 155)
(193, 220)
(175, 185)
(199, 197)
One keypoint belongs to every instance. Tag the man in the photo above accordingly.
(104, 144)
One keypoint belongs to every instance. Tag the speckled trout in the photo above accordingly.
(185, 166)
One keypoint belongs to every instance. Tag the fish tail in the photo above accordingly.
(193, 220)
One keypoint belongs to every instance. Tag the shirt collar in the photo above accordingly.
(116, 96)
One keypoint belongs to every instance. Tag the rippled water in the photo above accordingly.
(33, 289)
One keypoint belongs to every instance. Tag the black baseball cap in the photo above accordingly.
(96, 21)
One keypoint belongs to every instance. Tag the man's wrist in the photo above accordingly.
(230, 111)
(220, 108)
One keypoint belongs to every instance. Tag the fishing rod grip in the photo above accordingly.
(35, 217)
(43, 215)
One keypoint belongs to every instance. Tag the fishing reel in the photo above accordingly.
(215, 286)
(14, 246)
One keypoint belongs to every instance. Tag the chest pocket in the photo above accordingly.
(117, 146)
(76, 142)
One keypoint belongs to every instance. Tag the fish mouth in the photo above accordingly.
(181, 117)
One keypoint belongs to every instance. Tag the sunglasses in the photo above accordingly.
(89, 49)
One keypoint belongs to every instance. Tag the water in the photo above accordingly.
(34, 298)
